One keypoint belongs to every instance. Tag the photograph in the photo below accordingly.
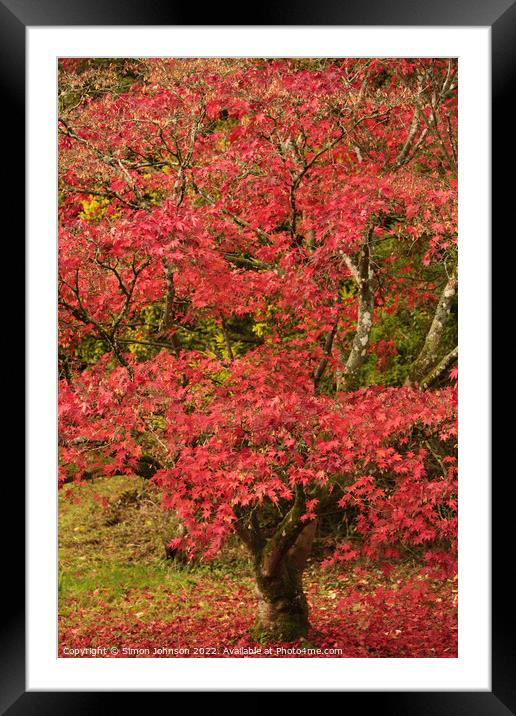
(257, 292)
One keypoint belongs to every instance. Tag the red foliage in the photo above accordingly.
(410, 618)
(238, 190)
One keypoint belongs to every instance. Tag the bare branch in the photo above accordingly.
(227, 340)
(428, 355)
(356, 358)
(319, 372)
(435, 374)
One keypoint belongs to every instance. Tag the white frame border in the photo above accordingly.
(471, 670)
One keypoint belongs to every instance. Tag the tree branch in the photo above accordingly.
(285, 535)
(436, 373)
(167, 320)
(356, 358)
(319, 372)
(428, 355)
(250, 534)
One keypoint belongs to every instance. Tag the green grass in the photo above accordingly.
(111, 554)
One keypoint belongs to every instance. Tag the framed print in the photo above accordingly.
(245, 246)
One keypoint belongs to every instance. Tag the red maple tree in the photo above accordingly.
(237, 242)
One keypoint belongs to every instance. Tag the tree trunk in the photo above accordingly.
(282, 606)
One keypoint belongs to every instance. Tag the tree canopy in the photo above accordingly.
(258, 289)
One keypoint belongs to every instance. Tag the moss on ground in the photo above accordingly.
(111, 538)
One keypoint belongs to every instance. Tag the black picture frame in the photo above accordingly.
(500, 16)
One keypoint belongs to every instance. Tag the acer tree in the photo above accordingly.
(257, 287)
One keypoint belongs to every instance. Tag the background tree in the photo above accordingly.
(257, 267)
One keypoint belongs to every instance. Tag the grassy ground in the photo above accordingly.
(120, 596)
